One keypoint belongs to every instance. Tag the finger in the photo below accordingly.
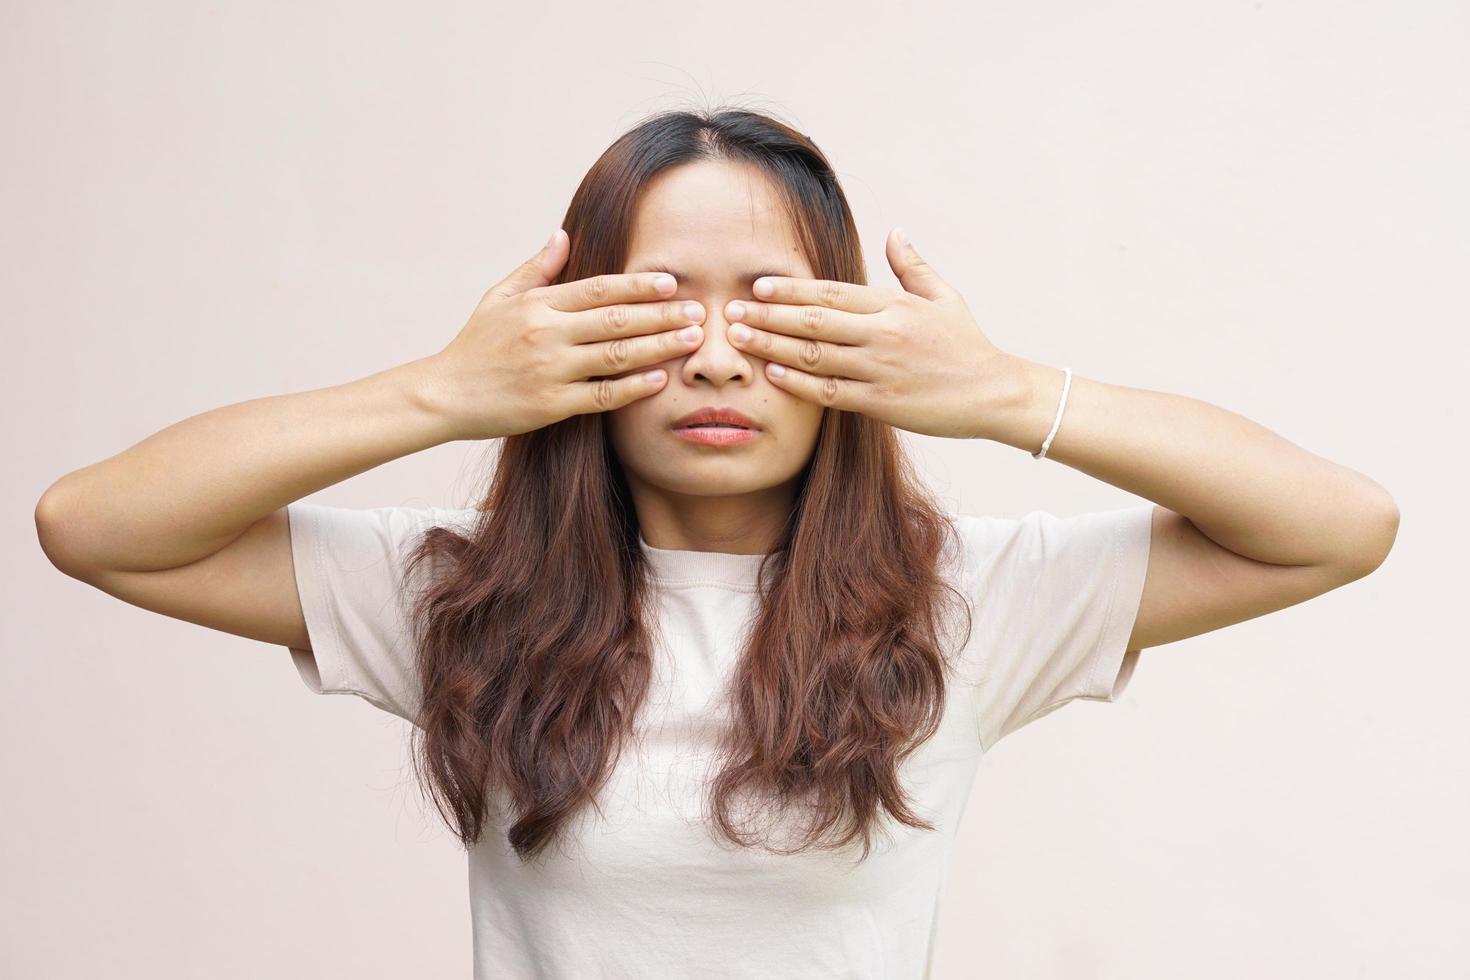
(538, 270)
(605, 290)
(628, 353)
(837, 326)
(807, 354)
(630, 319)
(916, 275)
(850, 296)
(606, 394)
(832, 392)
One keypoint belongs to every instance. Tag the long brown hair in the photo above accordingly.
(533, 642)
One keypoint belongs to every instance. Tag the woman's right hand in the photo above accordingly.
(533, 354)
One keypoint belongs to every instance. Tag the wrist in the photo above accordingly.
(1023, 406)
(423, 390)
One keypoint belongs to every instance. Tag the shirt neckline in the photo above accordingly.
(673, 565)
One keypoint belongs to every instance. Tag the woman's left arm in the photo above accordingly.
(1246, 522)
(1245, 487)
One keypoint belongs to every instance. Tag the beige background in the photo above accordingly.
(1260, 204)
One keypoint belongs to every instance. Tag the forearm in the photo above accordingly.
(188, 490)
(1245, 487)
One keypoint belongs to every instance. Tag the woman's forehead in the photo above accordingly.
(713, 219)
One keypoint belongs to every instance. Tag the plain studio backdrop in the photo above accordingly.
(1258, 204)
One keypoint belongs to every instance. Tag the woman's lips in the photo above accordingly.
(707, 435)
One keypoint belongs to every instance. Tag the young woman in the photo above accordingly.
(703, 681)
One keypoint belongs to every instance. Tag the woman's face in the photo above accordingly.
(717, 226)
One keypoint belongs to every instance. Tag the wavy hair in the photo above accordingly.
(533, 642)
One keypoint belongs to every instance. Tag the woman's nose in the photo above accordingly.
(715, 357)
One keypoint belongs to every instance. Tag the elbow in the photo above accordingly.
(51, 523)
(1390, 530)
(1380, 532)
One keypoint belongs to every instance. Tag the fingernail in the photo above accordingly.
(740, 332)
(693, 310)
(552, 240)
(903, 236)
(777, 370)
(689, 334)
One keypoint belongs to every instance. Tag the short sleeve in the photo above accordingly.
(350, 577)
(1056, 599)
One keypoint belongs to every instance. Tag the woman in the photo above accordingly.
(703, 682)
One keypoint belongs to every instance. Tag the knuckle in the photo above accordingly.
(812, 318)
(529, 339)
(602, 394)
(616, 317)
(615, 354)
(811, 353)
(832, 293)
(829, 391)
(596, 289)
(543, 400)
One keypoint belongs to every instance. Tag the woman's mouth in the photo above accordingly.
(716, 434)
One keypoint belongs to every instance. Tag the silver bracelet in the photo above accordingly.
(1061, 407)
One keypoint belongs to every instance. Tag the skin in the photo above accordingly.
(191, 522)
(1245, 522)
(716, 224)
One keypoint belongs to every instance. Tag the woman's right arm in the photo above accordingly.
(192, 523)
(185, 492)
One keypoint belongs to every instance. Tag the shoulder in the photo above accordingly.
(1039, 537)
(360, 539)
(985, 538)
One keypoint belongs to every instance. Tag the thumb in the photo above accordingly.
(916, 275)
(539, 270)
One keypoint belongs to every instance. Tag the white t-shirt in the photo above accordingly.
(644, 890)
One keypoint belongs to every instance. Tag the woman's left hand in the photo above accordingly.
(911, 357)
